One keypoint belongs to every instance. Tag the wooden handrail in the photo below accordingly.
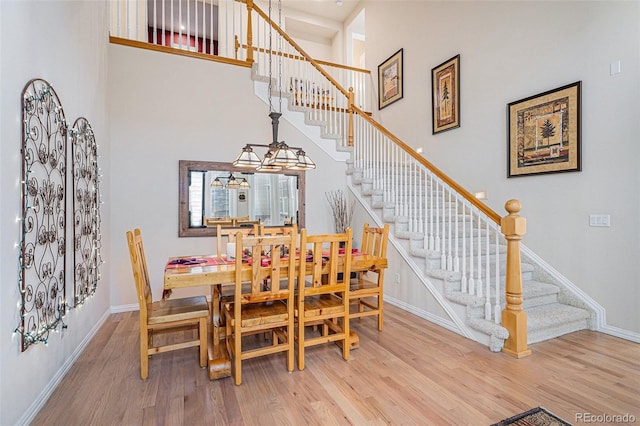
(453, 184)
(174, 51)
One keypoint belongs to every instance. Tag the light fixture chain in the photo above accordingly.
(280, 48)
(270, 56)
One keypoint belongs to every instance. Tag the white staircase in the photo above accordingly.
(547, 305)
(552, 309)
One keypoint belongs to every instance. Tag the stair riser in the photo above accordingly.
(535, 336)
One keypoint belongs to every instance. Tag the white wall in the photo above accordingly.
(509, 51)
(165, 108)
(64, 43)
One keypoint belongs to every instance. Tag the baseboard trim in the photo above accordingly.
(124, 308)
(620, 332)
(449, 325)
(39, 402)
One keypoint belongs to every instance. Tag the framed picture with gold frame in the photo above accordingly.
(390, 85)
(445, 90)
(544, 132)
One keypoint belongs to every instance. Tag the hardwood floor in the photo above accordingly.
(413, 372)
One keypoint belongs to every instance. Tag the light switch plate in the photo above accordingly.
(599, 220)
(614, 68)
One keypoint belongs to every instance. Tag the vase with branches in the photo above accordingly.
(341, 209)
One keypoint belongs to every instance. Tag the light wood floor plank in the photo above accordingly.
(413, 372)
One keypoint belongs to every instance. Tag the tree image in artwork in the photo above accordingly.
(547, 130)
(542, 133)
(445, 107)
(445, 93)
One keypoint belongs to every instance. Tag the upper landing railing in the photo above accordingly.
(463, 237)
(236, 30)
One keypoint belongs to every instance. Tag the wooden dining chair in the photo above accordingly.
(257, 309)
(164, 316)
(223, 294)
(366, 292)
(323, 291)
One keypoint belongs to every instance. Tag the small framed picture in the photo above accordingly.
(390, 80)
(445, 89)
(544, 132)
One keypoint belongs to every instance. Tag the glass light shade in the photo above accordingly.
(232, 183)
(267, 163)
(244, 183)
(303, 162)
(284, 156)
(247, 158)
(216, 183)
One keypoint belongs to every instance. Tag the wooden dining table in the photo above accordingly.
(216, 271)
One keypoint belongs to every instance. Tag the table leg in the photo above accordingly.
(219, 362)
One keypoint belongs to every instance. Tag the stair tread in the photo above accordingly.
(534, 288)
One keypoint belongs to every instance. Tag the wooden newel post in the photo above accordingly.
(350, 111)
(514, 319)
(249, 32)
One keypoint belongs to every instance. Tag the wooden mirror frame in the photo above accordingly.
(185, 166)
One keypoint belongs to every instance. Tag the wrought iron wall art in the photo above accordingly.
(86, 210)
(43, 243)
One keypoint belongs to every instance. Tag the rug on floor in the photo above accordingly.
(538, 416)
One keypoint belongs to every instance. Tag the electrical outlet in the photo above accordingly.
(397, 278)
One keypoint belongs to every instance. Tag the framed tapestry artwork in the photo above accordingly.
(445, 90)
(544, 132)
(390, 80)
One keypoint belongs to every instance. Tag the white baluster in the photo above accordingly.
(456, 222)
(443, 240)
(450, 220)
(472, 282)
(436, 214)
(463, 280)
(479, 289)
(496, 309)
(431, 218)
(487, 305)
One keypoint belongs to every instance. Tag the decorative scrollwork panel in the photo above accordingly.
(86, 210)
(43, 244)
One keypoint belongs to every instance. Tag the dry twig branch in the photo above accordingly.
(342, 211)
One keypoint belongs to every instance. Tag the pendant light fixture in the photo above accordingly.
(232, 183)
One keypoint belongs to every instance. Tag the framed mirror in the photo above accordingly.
(212, 193)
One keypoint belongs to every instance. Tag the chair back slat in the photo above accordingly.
(226, 235)
(140, 271)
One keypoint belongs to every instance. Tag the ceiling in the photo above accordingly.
(327, 9)
(315, 20)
